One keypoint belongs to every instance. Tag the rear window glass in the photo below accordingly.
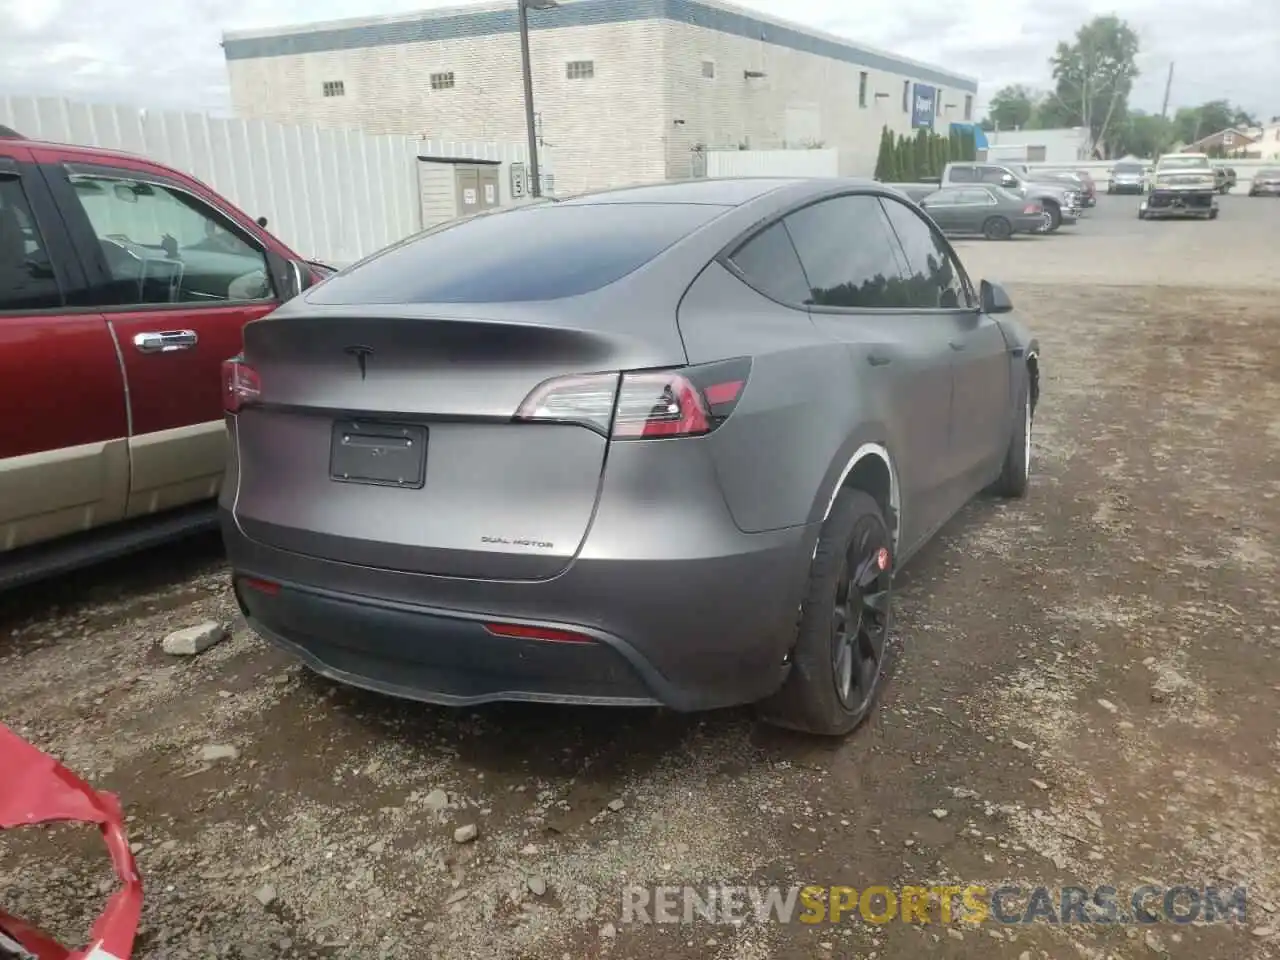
(536, 253)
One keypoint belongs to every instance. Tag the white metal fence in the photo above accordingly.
(332, 194)
(773, 163)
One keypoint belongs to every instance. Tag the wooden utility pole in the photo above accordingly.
(1168, 85)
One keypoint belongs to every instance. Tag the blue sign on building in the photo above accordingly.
(924, 105)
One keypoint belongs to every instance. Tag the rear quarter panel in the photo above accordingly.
(781, 452)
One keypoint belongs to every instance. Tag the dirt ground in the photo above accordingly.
(1085, 692)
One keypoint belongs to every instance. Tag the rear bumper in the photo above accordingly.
(1031, 224)
(1265, 190)
(685, 632)
(1174, 203)
(1127, 188)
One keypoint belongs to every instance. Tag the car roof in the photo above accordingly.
(76, 148)
(716, 191)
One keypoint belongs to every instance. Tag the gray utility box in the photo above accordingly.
(458, 187)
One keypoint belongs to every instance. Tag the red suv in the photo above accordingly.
(124, 284)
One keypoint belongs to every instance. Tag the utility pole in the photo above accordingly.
(1168, 85)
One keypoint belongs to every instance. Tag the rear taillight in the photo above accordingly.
(1033, 208)
(240, 385)
(644, 405)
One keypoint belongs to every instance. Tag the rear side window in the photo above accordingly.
(27, 279)
(934, 280)
(537, 253)
(769, 263)
(848, 252)
(962, 175)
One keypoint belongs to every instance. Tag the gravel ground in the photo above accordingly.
(1085, 691)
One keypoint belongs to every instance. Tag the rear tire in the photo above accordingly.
(1015, 476)
(1213, 214)
(997, 228)
(847, 610)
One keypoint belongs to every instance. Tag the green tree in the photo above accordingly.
(906, 159)
(1094, 74)
(1143, 135)
(1011, 108)
(1192, 123)
(884, 158)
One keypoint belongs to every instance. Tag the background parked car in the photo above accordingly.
(1265, 183)
(601, 451)
(1128, 178)
(993, 212)
(124, 284)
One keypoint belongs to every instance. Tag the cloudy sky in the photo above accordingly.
(166, 54)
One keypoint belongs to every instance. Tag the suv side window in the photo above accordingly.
(962, 174)
(27, 280)
(768, 262)
(163, 246)
(848, 252)
(934, 279)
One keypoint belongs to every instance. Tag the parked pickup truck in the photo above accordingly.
(1183, 185)
(1061, 203)
(124, 284)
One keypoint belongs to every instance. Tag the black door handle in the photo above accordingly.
(957, 344)
(877, 359)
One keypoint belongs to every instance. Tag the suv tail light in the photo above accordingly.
(644, 405)
(1033, 208)
(240, 385)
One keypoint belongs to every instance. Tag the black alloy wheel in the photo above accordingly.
(860, 618)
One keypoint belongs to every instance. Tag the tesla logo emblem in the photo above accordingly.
(362, 356)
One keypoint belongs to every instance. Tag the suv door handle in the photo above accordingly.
(877, 359)
(165, 341)
(957, 344)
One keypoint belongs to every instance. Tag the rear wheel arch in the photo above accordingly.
(1033, 377)
(871, 470)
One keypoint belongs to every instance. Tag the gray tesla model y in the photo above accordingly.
(661, 445)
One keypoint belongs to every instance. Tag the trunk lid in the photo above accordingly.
(384, 435)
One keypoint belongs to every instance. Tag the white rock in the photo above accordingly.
(466, 834)
(529, 850)
(1039, 784)
(436, 800)
(214, 752)
(537, 886)
(190, 641)
(939, 813)
(1020, 745)
(265, 894)
(608, 931)
(616, 805)
(1264, 931)
(1108, 706)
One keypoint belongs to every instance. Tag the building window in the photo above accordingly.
(442, 81)
(906, 96)
(334, 88)
(709, 69)
(1228, 138)
(580, 69)
(862, 89)
(968, 107)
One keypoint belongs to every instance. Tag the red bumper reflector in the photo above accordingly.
(262, 586)
(882, 558)
(522, 632)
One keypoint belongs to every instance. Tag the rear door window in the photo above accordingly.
(848, 252)
(769, 263)
(27, 279)
(934, 278)
(542, 252)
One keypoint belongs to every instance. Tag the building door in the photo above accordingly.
(489, 195)
(468, 180)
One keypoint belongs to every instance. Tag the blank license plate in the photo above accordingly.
(385, 454)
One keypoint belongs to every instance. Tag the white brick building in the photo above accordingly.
(626, 91)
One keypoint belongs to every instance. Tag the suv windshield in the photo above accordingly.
(1184, 163)
(1127, 168)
